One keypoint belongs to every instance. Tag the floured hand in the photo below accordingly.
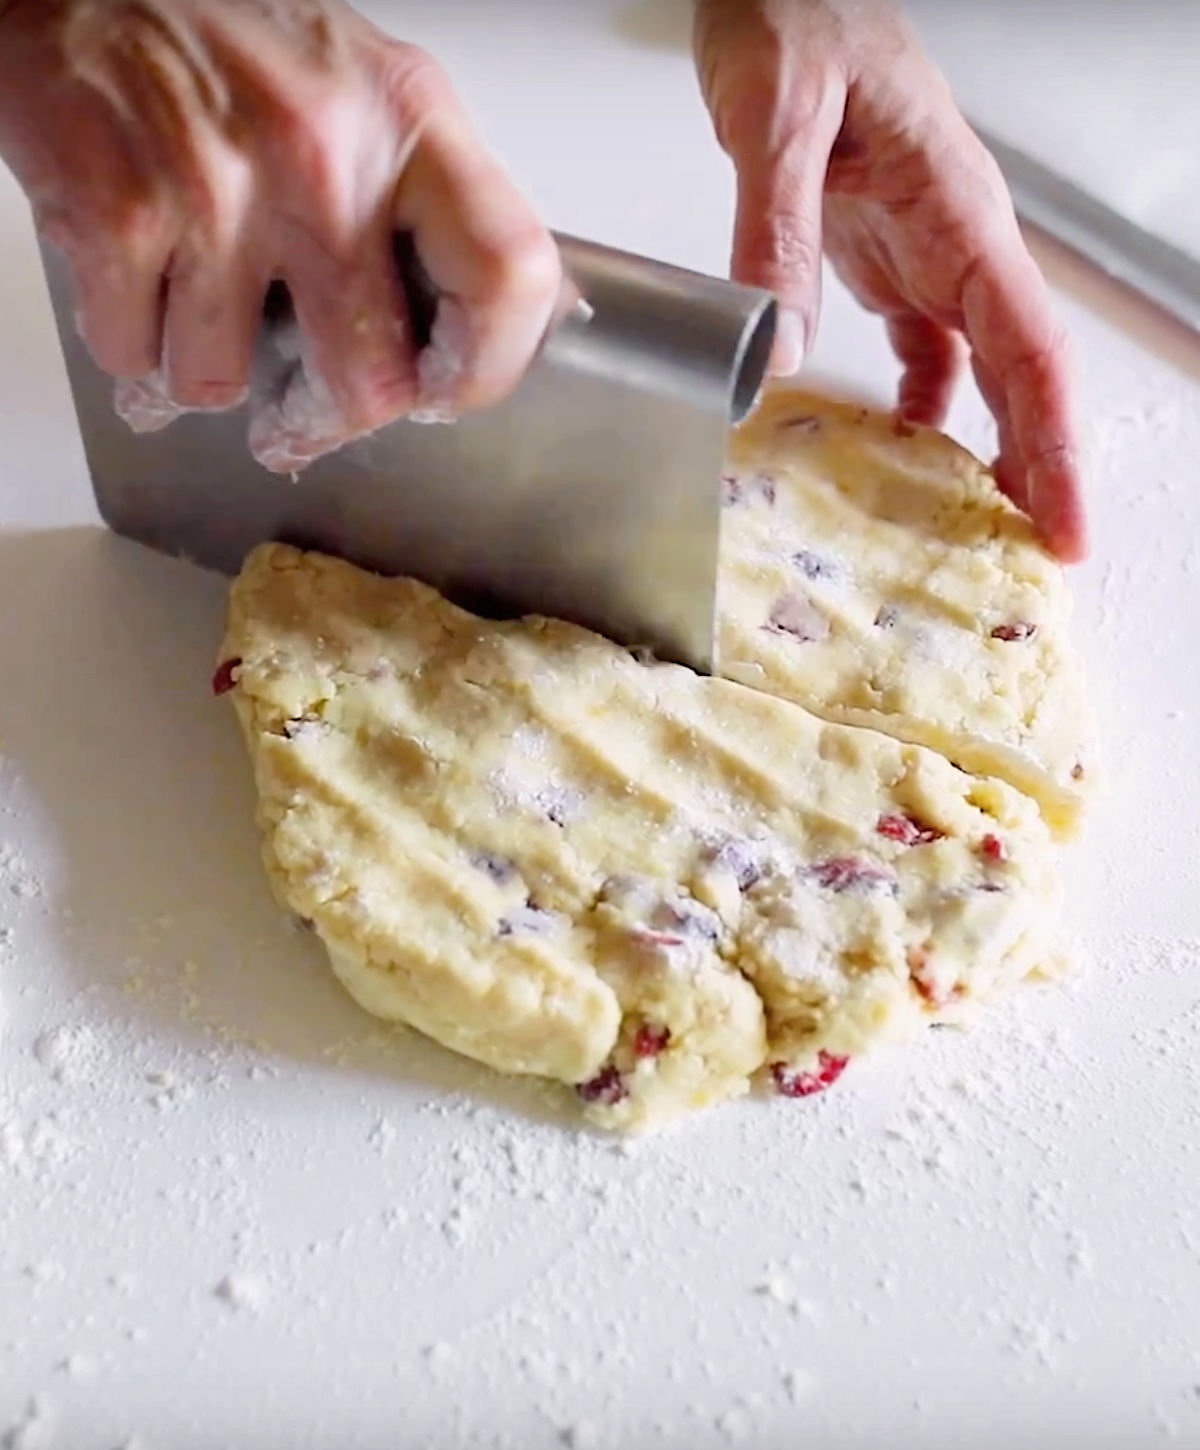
(846, 138)
(186, 154)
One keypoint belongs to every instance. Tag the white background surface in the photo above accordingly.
(1107, 93)
(234, 1213)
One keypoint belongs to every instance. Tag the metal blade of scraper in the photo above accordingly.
(592, 494)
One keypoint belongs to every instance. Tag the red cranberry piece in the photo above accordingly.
(1017, 629)
(931, 992)
(926, 985)
(223, 681)
(648, 938)
(791, 1083)
(649, 1040)
(918, 963)
(993, 849)
(937, 997)
(607, 1087)
(907, 830)
(849, 873)
(926, 990)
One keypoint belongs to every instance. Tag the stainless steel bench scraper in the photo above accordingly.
(592, 494)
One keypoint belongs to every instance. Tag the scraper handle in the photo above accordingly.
(661, 336)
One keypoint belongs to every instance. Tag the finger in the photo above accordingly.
(1007, 470)
(356, 347)
(294, 419)
(932, 358)
(780, 188)
(1009, 323)
(119, 311)
(213, 316)
(494, 265)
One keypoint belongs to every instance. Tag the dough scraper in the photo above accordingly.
(592, 494)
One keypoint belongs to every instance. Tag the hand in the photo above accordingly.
(185, 154)
(846, 137)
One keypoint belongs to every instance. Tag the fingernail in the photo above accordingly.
(791, 340)
(143, 404)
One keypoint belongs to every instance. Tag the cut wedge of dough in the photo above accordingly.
(873, 573)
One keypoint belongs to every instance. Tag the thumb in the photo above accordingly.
(777, 234)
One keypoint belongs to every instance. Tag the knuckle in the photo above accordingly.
(140, 223)
(779, 109)
(1052, 458)
(313, 160)
(818, 104)
(992, 180)
(220, 201)
(789, 244)
(413, 82)
(56, 225)
(524, 268)
(1045, 366)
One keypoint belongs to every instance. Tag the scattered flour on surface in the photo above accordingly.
(16, 875)
(34, 1430)
(244, 1293)
(79, 1367)
(36, 1147)
(70, 1054)
(800, 1385)
(439, 1355)
(583, 1435)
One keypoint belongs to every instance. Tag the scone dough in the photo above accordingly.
(561, 860)
(873, 573)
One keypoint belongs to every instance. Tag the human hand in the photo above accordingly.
(185, 154)
(846, 138)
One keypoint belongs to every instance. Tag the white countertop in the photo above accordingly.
(1106, 93)
(235, 1212)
